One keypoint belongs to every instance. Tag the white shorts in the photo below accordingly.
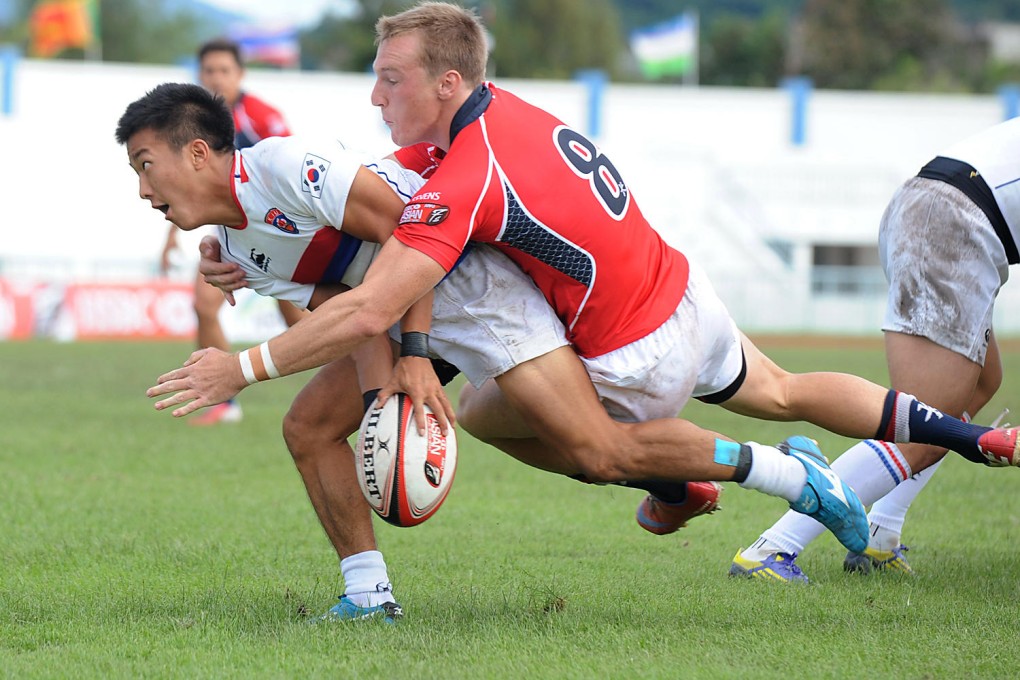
(488, 316)
(945, 265)
(696, 352)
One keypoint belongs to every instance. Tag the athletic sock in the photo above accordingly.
(763, 547)
(905, 419)
(871, 468)
(889, 512)
(367, 583)
(775, 473)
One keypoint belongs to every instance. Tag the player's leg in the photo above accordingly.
(208, 300)
(576, 436)
(939, 314)
(291, 313)
(911, 359)
(875, 468)
(489, 416)
(477, 309)
(324, 414)
(854, 407)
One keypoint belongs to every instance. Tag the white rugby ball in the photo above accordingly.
(404, 476)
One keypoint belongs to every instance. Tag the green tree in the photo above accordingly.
(339, 43)
(739, 51)
(554, 38)
(141, 31)
(886, 44)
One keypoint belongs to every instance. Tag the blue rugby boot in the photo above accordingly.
(826, 498)
(346, 610)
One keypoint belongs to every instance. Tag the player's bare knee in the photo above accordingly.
(295, 435)
(469, 417)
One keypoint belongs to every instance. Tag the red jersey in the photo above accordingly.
(518, 178)
(254, 120)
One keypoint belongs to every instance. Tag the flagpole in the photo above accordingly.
(691, 75)
(94, 50)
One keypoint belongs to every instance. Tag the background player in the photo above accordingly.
(946, 240)
(221, 70)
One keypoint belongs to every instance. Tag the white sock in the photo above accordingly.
(871, 468)
(889, 512)
(366, 580)
(763, 547)
(775, 473)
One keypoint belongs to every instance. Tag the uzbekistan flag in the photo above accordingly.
(669, 48)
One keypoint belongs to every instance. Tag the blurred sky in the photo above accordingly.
(299, 12)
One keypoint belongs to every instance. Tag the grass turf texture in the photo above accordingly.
(136, 546)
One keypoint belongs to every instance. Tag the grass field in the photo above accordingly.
(136, 546)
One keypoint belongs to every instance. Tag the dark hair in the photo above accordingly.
(221, 45)
(180, 113)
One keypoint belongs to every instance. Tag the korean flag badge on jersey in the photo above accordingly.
(313, 174)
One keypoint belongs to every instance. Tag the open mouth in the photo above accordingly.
(162, 208)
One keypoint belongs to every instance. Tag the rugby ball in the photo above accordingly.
(404, 476)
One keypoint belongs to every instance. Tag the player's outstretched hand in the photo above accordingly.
(209, 377)
(415, 377)
(227, 276)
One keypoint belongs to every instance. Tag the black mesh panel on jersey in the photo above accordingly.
(528, 236)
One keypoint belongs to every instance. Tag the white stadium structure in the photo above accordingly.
(786, 230)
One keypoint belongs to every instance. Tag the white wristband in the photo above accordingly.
(246, 368)
(267, 360)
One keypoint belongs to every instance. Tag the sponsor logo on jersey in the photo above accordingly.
(429, 196)
(424, 213)
(261, 260)
(313, 175)
(276, 218)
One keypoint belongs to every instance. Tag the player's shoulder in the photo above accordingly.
(301, 151)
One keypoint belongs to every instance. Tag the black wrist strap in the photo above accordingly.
(414, 344)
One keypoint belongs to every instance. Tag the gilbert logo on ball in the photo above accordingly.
(404, 476)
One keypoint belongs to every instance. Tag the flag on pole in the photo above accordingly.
(667, 49)
(57, 25)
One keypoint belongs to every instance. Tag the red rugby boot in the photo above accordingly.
(1000, 447)
(660, 517)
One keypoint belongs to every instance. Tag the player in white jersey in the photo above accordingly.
(946, 241)
(303, 219)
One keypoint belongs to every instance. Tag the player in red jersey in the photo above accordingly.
(221, 70)
(660, 341)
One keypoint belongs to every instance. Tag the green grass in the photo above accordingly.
(135, 546)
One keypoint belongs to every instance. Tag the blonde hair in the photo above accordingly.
(452, 38)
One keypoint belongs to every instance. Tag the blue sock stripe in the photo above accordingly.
(882, 456)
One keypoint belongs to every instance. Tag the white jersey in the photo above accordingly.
(995, 154)
(293, 192)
